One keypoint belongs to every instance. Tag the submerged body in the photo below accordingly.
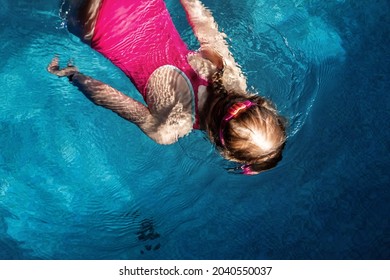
(183, 89)
(143, 33)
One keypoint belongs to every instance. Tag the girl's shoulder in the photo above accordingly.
(170, 98)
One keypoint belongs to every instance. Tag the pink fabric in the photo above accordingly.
(139, 36)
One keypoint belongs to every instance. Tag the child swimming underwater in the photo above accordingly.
(183, 89)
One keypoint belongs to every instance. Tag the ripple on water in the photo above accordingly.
(288, 55)
(100, 188)
(4, 8)
(283, 77)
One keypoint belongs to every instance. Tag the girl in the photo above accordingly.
(183, 90)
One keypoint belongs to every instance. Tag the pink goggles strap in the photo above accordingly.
(232, 113)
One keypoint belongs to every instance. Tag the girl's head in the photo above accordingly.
(247, 129)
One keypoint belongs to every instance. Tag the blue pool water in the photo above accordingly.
(78, 182)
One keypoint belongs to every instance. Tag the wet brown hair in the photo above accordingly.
(255, 137)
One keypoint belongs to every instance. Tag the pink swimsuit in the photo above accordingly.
(139, 36)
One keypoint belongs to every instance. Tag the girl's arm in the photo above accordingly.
(104, 95)
(211, 40)
(164, 121)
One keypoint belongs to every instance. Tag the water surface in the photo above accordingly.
(78, 182)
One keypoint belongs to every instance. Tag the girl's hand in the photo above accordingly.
(54, 69)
